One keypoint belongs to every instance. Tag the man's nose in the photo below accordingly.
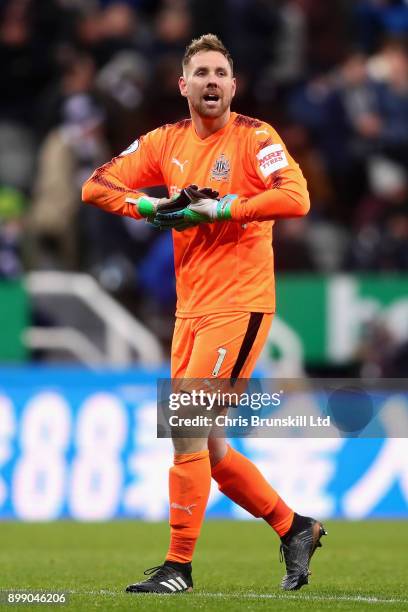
(212, 81)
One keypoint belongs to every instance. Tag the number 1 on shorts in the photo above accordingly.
(221, 356)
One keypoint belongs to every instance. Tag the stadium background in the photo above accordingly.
(81, 80)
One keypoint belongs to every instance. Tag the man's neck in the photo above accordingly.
(206, 127)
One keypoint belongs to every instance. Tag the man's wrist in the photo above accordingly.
(146, 205)
(224, 207)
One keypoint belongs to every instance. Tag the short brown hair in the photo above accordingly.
(206, 42)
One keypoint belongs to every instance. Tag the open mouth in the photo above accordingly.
(211, 98)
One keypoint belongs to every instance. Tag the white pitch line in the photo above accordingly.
(350, 598)
(280, 596)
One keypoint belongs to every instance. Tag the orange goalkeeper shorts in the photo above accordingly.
(224, 345)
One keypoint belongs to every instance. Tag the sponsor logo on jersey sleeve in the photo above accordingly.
(271, 159)
(131, 148)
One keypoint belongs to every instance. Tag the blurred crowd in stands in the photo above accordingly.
(81, 79)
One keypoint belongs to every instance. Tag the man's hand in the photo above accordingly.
(148, 206)
(203, 207)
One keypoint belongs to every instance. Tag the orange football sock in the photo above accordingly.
(189, 488)
(240, 480)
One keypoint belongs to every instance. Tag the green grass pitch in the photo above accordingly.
(362, 566)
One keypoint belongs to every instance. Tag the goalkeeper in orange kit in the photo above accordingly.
(229, 177)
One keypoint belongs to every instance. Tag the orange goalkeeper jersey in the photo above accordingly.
(223, 266)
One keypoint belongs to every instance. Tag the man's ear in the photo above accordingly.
(234, 86)
(183, 86)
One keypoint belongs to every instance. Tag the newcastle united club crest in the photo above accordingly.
(221, 169)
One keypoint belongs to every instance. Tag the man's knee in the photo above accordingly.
(184, 446)
(217, 448)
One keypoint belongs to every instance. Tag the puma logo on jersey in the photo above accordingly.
(186, 508)
(262, 132)
(179, 164)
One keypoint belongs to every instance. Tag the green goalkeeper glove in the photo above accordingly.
(203, 207)
(147, 206)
